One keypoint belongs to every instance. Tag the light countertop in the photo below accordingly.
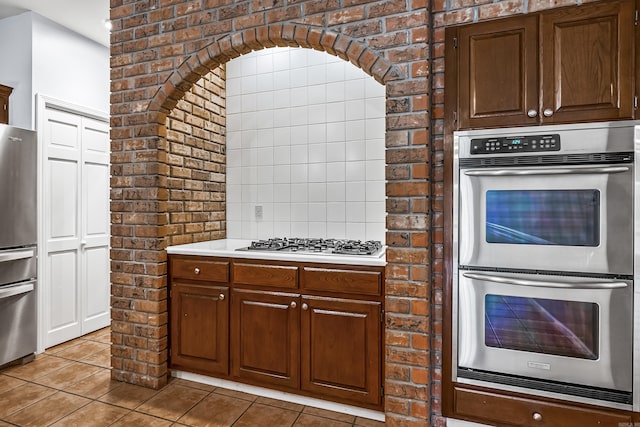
(228, 248)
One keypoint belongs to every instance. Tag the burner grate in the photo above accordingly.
(315, 245)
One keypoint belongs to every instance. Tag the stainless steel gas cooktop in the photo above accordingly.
(320, 246)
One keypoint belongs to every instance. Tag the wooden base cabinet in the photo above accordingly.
(200, 328)
(340, 349)
(266, 337)
(494, 408)
(304, 328)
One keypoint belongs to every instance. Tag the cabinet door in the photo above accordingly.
(587, 62)
(4, 109)
(498, 79)
(340, 352)
(265, 330)
(200, 328)
(5, 92)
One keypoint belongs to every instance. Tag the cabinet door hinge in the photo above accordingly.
(170, 294)
(636, 21)
(169, 352)
(455, 116)
(455, 39)
(381, 316)
(381, 390)
(635, 102)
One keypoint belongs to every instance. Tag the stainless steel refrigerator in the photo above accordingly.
(18, 237)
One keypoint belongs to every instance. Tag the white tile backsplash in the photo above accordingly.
(305, 140)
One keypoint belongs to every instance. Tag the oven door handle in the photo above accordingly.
(600, 284)
(560, 171)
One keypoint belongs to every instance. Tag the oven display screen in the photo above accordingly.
(562, 328)
(543, 217)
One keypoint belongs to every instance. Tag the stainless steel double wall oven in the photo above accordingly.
(543, 287)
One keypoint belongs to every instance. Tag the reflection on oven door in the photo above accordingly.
(547, 327)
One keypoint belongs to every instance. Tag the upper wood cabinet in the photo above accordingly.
(572, 64)
(5, 92)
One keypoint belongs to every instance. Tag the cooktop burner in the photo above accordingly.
(322, 246)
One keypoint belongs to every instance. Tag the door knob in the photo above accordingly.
(537, 416)
(196, 270)
(532, 113)
(221, 297)
(548, 112)
(293, 304)
(305, 306)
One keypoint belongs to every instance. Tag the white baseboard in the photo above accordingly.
(281, 395)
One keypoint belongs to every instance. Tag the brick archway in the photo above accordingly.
(232, 46)
(143, 99)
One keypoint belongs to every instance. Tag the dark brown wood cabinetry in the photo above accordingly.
(199, 315)
(565, 65)
(341, 348)
(520, 411)
(5, 92)
(266, 337)
(313, 329)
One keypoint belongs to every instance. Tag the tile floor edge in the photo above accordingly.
(280, 395)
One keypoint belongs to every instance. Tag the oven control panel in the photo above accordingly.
(515, 144)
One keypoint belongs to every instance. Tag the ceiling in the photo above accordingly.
(85, 17)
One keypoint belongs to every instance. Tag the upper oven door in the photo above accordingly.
(555, 218)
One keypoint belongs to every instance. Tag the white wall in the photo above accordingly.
(68, 66)
(15, 67)
(42, 57)
(305, 140)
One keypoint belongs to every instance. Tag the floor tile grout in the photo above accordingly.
(104, 387)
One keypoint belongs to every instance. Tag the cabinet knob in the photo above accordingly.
(196, 270)
(221, 297)
(293, 304)
(532, 113)
(305, 306)
(548, 112)
(537, 416)
(185, 315)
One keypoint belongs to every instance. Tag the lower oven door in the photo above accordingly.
(568, 330)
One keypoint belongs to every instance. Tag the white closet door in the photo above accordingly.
(75, 274)
(94, 245)
(61, 281)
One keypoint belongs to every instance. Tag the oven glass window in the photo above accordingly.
(543, 217)
(562, 328)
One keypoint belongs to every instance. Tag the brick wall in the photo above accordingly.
(161, 48)
(196, 160)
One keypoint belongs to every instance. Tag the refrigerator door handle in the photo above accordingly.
(16, 290)
(16, 255)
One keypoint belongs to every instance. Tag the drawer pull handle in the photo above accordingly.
(305, 306)
(196, 270)
(221, 297)
(293, 304)
(537, 416)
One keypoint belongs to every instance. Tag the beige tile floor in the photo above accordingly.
(70, 385)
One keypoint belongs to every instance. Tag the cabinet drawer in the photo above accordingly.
(524, 412)
(199, 269)
(279, 276)
(345, 281)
